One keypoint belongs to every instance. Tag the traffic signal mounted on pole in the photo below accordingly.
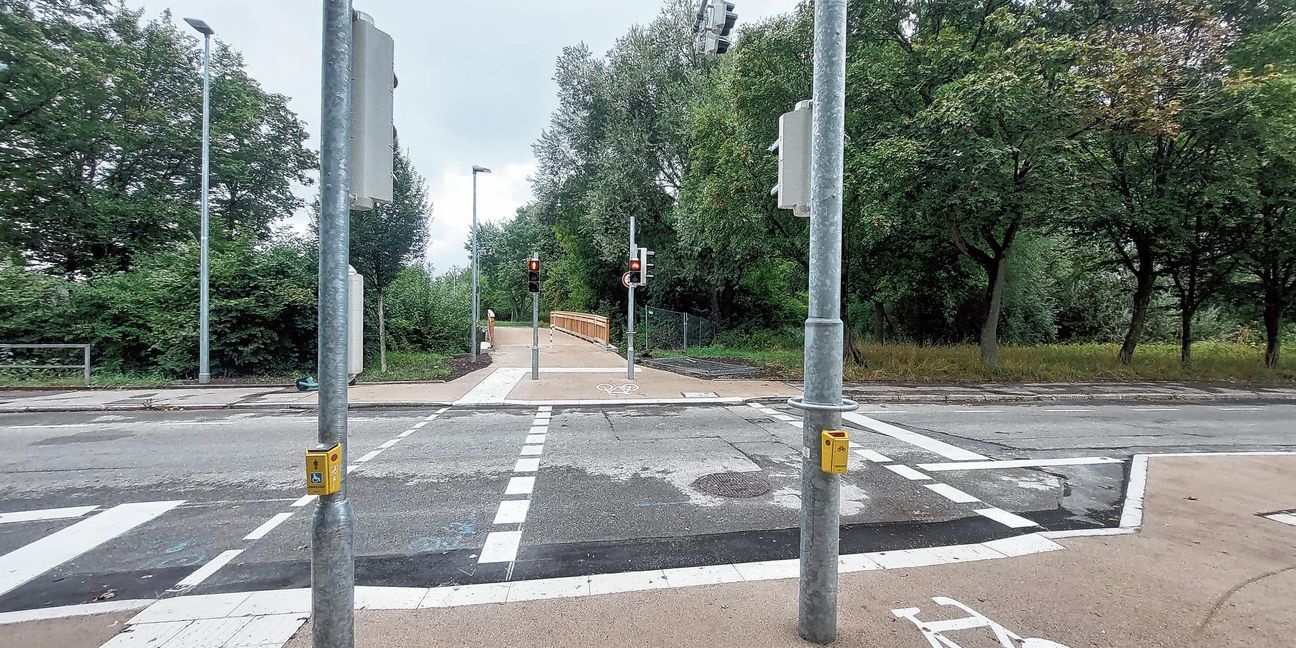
(715, 22)
(533, 274)
(636, 271)
(645, 265)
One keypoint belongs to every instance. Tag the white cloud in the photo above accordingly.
(499, 195)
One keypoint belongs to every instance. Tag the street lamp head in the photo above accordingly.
(201, 26)
(480, 169)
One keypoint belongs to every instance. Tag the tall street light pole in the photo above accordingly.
(475, 170)
(204, 351)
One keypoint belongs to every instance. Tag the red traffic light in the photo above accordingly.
(533, 265)
(635, 265)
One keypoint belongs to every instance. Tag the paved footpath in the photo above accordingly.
(1203, 558)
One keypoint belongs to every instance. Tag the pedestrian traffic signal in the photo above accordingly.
(723, 18)
(645, 265)
(636, 271)
(533, 274)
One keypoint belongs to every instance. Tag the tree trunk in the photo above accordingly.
(382, 333)
(850, 345)
(994, 302)
(1185, 338)
(879, 322)
(1273, 310)
(1142, 298)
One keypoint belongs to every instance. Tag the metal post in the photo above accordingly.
(332, 533)
(685, 317)
(475, 345)
(630, 310)
(647, 332)
(822, 403)
(204, 351)
(535, 336)
(87, 365)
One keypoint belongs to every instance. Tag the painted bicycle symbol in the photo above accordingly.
(935, 631)
(618, 390)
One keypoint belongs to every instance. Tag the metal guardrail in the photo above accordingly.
(84, 366)
(594, 328)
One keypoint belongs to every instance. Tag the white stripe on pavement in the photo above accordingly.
(28, 562)
(520, 485)
(203, 573)
(495, 387)
(501, 546)
(873, 456)
(1017, 463)
(952, 494)
(302, 501)
(368, 456)
(929, 444)
(906, 472)
(269, 526)
(1005, 518)
(46, 514)
(512, 512)
(526, 465)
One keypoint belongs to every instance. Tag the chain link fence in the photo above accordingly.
(667, 330)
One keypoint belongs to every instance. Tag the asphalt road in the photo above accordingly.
(212, 501)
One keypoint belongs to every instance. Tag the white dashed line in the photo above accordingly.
(526, 465)
(952, 494)
(269, 526)
(1017, 463)
(512, 512)
(1060, 411)
(388, 444)
(420, 424)
(352, 468)
(203, 573)
(546, 408)
(1005, 518)
(501, 546)
(302, 501)
(906, 472)
(532, 450)
(535, 438)
(873, 456)
(370, 455)
(1240, 409)
(405, 433)
(539, 429)
(520, 486)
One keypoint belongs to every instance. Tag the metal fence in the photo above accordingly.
(668, 330)
(7, 355)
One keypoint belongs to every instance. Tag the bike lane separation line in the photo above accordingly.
(503, 541)
(208, 569)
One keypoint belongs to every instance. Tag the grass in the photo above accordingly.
(1212, 361)
(413, 365)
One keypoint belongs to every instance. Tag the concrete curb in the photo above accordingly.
(1146, 397)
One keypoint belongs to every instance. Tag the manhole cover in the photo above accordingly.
(734, 484)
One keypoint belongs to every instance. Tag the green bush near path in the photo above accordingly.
(1212, 361)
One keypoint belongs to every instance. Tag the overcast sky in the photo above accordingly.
(476, 83)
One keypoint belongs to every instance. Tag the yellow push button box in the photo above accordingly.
(834, 448)
(324, 469)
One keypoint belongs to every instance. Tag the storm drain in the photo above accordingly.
(733, 484)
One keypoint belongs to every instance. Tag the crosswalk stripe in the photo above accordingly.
(46, 514)
(31, 560)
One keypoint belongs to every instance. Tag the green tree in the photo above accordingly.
(384, 239)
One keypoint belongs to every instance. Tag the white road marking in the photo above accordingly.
(526, 465)
(520, 485)
(1017, 463)
(546, 408)
(1240, 409)
(1005, 518)
(539, 429)
(535, 438)
(420, 424)
(31, 560)
(1058, 410)
(906, 472)
(388, 444)
(267, 527)
(929, 444)
(978, 411)
(352, 468)
(512, 512)
(46, 514)
(406, 433)
(873, 456)
(952, 494)
(532, 450)
(65, 611)
(1154, 409)
(369, 455)
(1132, 512)
(302, 501)
(495, 387)
(442, 410)
(1285, 518)
(203, 573)
(501, 546)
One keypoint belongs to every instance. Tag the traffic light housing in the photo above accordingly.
(636, 271)
(723, 18)
(645, 265)
(533, 274)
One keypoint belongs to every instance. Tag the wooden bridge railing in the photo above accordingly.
(594, 328)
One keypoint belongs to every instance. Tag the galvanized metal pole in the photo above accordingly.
(630, 310)
(535, 336)
(332, 533)
(820, 491)
(685, 317)
(474, 269)
(204, 349)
